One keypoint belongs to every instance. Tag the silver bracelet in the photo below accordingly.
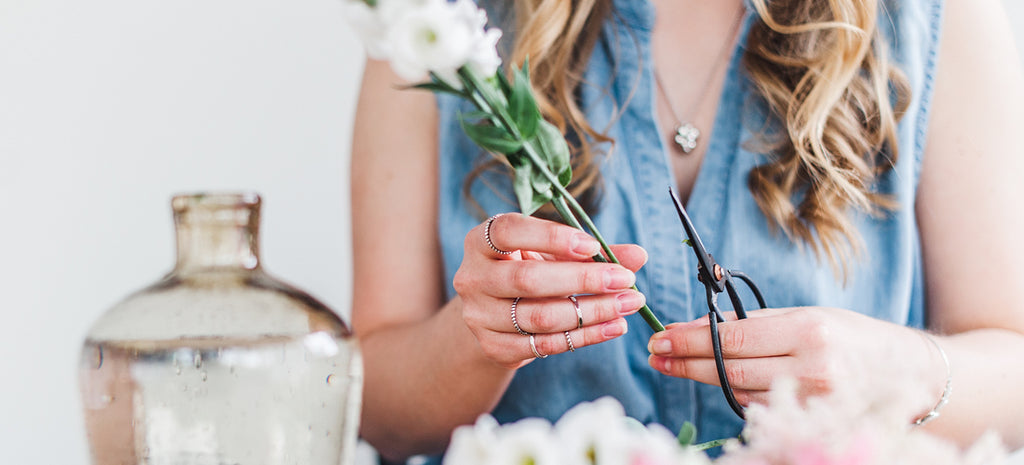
(934, 413)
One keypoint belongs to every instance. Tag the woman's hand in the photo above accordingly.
(548, 262)
(820, 348)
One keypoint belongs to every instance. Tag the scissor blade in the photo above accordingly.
(703, 258)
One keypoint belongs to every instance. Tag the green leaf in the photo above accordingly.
(687, 434)
(491, 138)
(688, 242)
(529, 198)
(503, 83)
(437, 85)
(541, 185)
(521, 104)
(554, 150)
(475, 116)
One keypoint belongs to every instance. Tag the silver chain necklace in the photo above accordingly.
(687, 134)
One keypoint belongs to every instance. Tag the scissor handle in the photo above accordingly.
(750, 285)
(737, 303)
(716, 344)
(715, 317)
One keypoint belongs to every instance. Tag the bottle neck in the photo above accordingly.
(217, 232)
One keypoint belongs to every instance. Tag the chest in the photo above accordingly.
(692, 44)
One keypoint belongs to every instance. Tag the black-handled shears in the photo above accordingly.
(717, 279)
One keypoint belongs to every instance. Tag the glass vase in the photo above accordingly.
(219, 363)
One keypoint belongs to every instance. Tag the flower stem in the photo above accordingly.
(484, 100)
(562, 195)
(711, 444)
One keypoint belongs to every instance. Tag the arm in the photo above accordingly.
(431, 365)
(970, 220)
(414, 353)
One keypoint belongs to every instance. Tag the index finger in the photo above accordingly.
(512, 232)
(749, 338)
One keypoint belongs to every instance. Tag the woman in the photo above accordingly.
(863, 174)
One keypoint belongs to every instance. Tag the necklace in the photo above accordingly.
(687, 134)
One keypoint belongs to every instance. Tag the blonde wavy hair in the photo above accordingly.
(820, 66)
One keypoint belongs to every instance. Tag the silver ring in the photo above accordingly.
(487, 236)
(568, 340)
(533, 347)
(515, 323)
(579, 313)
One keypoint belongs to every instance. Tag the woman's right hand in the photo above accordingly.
(548, 263)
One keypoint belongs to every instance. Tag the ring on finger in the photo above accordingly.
(487, 236)
(515, 323)
(579, 313)
(533, 347)
(568, 340)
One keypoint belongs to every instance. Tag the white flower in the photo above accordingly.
(656, 445)
(432, 38)
(427, 36)
(601, 431)
(369, 25)
(526, 441)
(595, 429)
(472, 444)
(484, 61)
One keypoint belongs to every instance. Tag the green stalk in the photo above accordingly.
(563, 195)
(711, 444)
(485, 102)
(570, 219)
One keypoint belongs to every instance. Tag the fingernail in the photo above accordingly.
(656, 362)
(630, 302)
(614, 328)
(619, 278)
(659, 346)
(585, 245)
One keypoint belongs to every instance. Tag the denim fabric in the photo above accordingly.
(885, 282)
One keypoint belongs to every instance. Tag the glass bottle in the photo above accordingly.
(219, 363)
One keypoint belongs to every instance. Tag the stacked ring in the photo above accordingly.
(515, 323)
(579, 313)
(533, 339)
(487, 236)
(533, 347)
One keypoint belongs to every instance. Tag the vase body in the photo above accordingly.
(219, 363)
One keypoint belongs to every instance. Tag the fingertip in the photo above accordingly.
(659, 345)
(630, 302)
(656, 362)
(643, 254)
(614, 328)
(618, 278)
(631, 256)
(583, 245)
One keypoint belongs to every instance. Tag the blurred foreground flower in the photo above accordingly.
(840, 429)
(597, 433)
(848, 427)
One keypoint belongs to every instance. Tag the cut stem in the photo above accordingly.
(562, 200)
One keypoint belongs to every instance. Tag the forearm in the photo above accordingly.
(422, 380)
(986, 369)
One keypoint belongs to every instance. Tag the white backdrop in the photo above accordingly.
(107, 108)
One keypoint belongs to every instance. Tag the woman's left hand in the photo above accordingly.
(818, 347)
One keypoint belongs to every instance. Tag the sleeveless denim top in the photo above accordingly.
(885, 282)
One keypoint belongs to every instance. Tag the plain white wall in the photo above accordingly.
(107, 108)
